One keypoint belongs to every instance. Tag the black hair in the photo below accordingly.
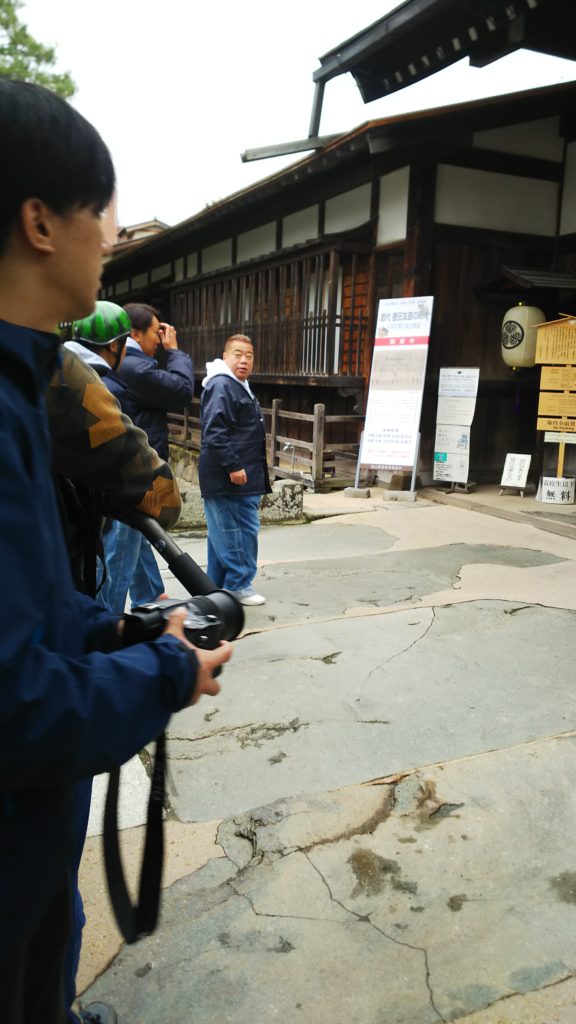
(97, 349)
(48, 152)
(237, 337)
(141, 315)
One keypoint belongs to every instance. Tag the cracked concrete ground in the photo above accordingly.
(428, 648)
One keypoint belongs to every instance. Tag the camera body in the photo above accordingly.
(209, 619)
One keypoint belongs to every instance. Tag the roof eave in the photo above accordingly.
(349, 144)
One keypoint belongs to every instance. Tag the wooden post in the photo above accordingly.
(332, 358)
(272, 459)
(419, 228)
(318, 446)
(562, 446)
(561, 451)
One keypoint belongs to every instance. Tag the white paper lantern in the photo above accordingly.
(518, 339)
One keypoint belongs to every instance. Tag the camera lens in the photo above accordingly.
(226, 608)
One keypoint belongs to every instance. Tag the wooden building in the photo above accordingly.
(474, 203)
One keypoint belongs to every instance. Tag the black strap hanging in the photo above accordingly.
(140, 920)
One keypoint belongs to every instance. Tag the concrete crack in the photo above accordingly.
(252, 732)
(366, 829)
(417, 640)
(512, 995)
(257, 735)
(210, 735)
(245, 827)
(388, 780)
(278, 917)
(365, 918)
(328, 659)
(404, 650)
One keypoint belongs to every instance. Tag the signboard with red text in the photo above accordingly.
(397, 382)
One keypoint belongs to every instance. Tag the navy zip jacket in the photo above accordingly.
(67, 711)
(115, 386)
(152, 392)
(110, 379)
(233, 438)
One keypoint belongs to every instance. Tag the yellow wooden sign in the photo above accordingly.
(556, 403)
(558, 378)
(556, 342)
(551, 423)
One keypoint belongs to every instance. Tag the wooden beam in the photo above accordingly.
(285, 148)
(420, 229)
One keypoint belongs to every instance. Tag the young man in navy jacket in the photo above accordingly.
(73, 703)
(153, 392)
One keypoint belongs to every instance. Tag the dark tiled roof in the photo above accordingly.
(530, 277)
(420, 37)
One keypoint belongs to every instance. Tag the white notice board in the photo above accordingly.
(555, 437)
(515, 473)
(397, 382)
(457, 390)
(451, 438)
(458, 381)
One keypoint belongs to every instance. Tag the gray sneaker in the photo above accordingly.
(98, 1013)
(249, 596)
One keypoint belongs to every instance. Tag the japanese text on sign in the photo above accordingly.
(397, 382)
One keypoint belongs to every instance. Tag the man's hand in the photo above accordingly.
(239, 477)
(168, 336)
(208, 661)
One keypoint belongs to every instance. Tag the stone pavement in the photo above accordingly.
(374, 822)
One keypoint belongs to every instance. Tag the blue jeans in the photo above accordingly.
(82, 798)
(130, 567)
(233, 525)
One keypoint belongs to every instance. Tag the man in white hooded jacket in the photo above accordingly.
(232, 469)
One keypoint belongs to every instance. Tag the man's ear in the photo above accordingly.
(37, 220)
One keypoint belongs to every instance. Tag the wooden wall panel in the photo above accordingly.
(466, 322)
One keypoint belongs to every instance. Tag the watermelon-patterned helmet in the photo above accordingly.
(107, 323)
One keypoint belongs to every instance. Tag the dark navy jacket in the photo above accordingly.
(67, 711)
(114, 385)
(153, 392)
(233, 438)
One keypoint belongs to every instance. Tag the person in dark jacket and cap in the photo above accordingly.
(130, 565)
(232, 469)
(73, 702)
(100, 341)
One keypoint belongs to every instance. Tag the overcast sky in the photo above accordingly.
(179, 88)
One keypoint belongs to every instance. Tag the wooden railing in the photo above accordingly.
(317, 463)
(302, 346)
(313, 461)
(184, 427)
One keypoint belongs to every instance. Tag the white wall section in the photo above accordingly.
(502, 202)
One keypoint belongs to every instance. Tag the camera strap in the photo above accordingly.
(139, 920)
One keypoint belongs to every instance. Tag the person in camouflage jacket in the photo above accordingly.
(97, 446)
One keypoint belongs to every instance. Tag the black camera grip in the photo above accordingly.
(190, 575)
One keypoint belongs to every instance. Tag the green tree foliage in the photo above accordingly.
(24, 58)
